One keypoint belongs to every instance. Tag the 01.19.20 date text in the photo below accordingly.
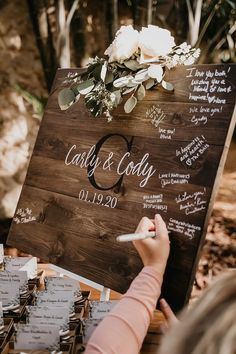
(97, 198)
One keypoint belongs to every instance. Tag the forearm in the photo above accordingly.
(124, 329)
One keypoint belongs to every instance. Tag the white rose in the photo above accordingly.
(154, 42)
(124, 45)
(156, 72)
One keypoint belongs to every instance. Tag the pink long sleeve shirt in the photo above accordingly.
(123, 330)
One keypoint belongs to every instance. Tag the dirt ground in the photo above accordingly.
(219, 252)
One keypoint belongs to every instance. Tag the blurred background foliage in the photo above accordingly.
(68, 32)
(38, 36)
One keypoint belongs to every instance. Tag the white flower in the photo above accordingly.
(155, 72)
(124, 45)
(154, 42)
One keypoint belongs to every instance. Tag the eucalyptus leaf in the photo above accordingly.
(104, 71)
(167, 85)
(121, 82)
(132, 83)
(97, 72)
(150, 83)
(141, 93)
(85, 87)
(117, 97)
(109, 77)
(129, 90)
(130, 104)
(142, 75)
(132, 64)
(66, 98)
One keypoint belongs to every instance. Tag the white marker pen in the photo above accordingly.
(136, 236)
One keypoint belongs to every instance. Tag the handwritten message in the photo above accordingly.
(166, 133)
(192, 203)
(156, 114)
(154, 201)
(209, 85)
(182, 227)
(192, 151)
(200, 115)
(170, 178)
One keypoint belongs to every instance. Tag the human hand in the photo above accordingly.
(170, 318)
(153, 251)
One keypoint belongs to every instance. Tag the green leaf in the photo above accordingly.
(130, 104)
(150, 83)
(167, 85)
(85, 87)
(132, 65)
(132, 83)
(104, 71)
(141, 93)
(116, 97)
(109, 77)
(97, 72)
(93, 106)
(121, 82)
(130, 89)
(142, 75)
(66, 98)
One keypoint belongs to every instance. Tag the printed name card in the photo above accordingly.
(56, 298)
(95, 180)
(62, 283)
(1, 317)
(46, 315)
(17, 279)
(1, 254)
(33, 337)
(90, 326)
(100, 309)
(28, 264)
(9, 295)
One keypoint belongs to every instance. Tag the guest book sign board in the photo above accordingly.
(89, 180)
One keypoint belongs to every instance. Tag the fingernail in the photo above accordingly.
(163, 302)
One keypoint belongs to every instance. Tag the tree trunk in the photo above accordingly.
(44, 39)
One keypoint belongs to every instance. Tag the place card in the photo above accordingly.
(100, 309)
(49, 315)
(89, 328)
(14, 278)
(28, 264)
(33, 337)
(56, 298)
(62, 283)
(9, 295)
(1, 317)
(1, 254)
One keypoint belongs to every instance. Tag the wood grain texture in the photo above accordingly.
(74, 224)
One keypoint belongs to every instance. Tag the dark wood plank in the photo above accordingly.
(76, 219)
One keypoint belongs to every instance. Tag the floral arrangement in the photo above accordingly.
(137, 61)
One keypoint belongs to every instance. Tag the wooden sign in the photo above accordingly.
(89, 180)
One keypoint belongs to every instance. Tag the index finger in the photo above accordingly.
(167, 312)
(161, 229)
